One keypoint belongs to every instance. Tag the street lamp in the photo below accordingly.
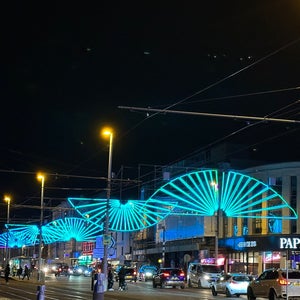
(7, 199)
(107, 132)
(41, 178)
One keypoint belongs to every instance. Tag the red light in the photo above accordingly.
(282, 281)
(165, 274)
(181, 274)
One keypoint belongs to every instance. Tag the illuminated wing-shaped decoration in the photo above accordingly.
(237, 195)
(130, 215)
(21, 235)
(246, 197)
(7, 239)
(194, 193)
(67, 228)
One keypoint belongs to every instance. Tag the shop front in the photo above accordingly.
(254, 254)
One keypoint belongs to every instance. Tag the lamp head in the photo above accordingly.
(107, 132)
(40, 176)
(7, 198)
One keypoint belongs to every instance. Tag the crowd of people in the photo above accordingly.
(16, 272)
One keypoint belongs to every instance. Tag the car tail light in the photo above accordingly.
(282, 281)
(181, 274)
(165, 274)
(134, 273)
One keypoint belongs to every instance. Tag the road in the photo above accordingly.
(79, 288)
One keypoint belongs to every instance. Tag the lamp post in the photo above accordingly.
(41, 178)
(7, 199)
(106, 238)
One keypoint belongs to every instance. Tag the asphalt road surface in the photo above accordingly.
(79, 288)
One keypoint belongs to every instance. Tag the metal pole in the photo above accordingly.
(164, 247)
(40, 271)
(7, 256)
(106, 223)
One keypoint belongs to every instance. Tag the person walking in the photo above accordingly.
(121, 275)
(19, 272)
(14, 271)
(110, 277)
(6, 273)
(26, 273)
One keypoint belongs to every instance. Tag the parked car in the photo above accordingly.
(169, 277)
(275, 284)
(231, 284)
(130, 274)
(202, 275)
(146, 272)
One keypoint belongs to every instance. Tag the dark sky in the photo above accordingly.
(67, 68)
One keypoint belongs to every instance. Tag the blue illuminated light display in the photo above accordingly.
(60, 230)
(126, 216)
(200, 193)
(236, 194)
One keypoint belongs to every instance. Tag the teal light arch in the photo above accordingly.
(60, 230)
(19, 235)
(201, 193)
(236, 194)
(126, 216)
(65, 229)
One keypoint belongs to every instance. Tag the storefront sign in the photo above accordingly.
(289, 243)
(262, 243)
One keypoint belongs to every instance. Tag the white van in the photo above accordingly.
(202, 275)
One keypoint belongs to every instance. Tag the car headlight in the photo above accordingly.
(206, 277)
(148, 274)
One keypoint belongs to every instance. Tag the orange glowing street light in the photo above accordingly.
(7, 199)
(41, 178)
(107, 132)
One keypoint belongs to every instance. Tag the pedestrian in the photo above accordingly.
(26, 273)
(121, 275)
(6, 273)
(14, 271)
(19, 272)
(110, 277)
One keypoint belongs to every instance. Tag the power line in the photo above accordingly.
(164, 111)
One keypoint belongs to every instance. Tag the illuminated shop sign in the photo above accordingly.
(261, 243)
(289, 243)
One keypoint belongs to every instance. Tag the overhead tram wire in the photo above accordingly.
(65, 175)
(213, 84)
(244, 95)
(193, 113)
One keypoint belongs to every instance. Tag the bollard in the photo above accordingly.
(40, 294)
(99, 286)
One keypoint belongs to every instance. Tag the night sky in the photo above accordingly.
(67, 67)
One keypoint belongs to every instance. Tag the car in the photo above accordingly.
(59, 269)
(130, 274)
(88, 272)
(275, 284)
(202, 275)
(169, 277)
(78, 270)
(231, 284)
(146, 272)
